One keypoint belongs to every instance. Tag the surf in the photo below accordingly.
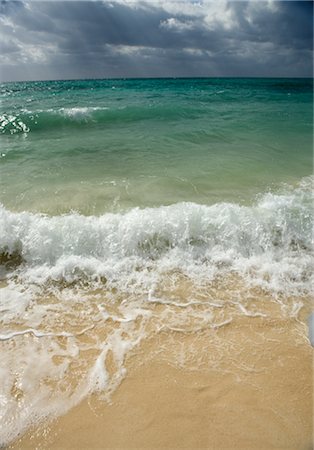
(269, 242)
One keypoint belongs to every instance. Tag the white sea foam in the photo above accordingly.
(80, 111)
(12, 124)
(13, 303)
(270, 243)
(70, 111)
(43, 374)
(38, 334)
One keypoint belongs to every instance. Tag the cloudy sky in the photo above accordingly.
(154, 38)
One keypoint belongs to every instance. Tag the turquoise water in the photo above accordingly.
(109, 145)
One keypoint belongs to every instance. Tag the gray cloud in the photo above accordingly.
(121, 38)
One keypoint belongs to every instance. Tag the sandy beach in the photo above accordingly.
(245, 385)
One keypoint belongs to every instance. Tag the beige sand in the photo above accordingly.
(247, 385)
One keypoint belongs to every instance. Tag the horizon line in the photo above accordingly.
(156, 78)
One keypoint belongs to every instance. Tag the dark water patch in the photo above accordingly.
(11, 260)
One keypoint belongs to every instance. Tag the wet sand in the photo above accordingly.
(247, 385)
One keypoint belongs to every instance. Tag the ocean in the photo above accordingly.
(133, 207)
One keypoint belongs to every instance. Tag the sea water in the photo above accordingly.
(120, 195)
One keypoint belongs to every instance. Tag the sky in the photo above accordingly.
(42, 40)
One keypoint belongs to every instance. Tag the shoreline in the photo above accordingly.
(259, 395)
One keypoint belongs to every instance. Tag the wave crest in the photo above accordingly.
(269, 242)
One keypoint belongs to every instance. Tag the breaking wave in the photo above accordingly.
(26, 121)
(269, 243)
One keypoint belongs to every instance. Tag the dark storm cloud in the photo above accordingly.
(62, 39)
(291, 26)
